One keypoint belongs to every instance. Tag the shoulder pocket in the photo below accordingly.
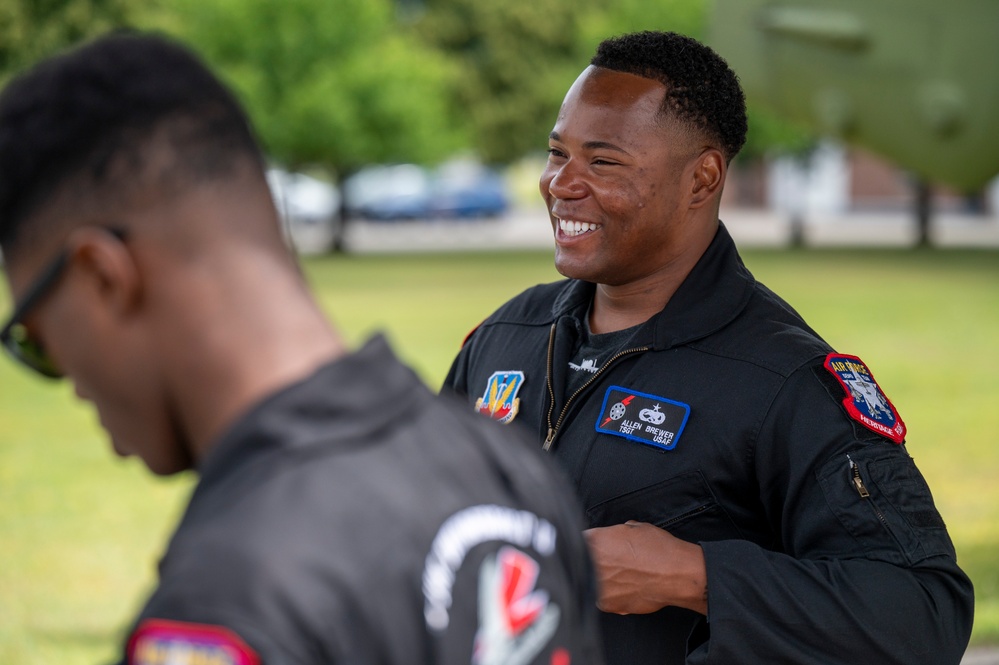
(883, 501)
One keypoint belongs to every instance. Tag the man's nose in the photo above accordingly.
(565, 182)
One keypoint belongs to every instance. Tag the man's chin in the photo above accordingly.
(160, 465)
(567, 267)
(167, 467)
(119, 449)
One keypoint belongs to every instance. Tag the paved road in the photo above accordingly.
(982, 656)
(529, 229)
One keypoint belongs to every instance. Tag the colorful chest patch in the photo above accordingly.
(864, 401)
(648, 419)
(500, 401)
(161, 642)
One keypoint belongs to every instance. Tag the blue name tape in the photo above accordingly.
(649, 419)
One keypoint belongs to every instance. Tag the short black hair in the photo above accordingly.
(701, 89)
(75, 114)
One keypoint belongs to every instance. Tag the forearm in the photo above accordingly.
(770, 607)
(641, 569)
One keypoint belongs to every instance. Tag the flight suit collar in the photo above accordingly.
(344, 402)
(713, 294)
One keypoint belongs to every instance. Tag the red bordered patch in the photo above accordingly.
(161, 642)
(865, 402)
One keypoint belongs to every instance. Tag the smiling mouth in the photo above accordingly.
(573, 229)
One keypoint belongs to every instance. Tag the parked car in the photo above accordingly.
(388, 192)
(309, 209)
(457, 189)
(466, 189)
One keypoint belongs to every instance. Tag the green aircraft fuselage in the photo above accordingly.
(916, 81)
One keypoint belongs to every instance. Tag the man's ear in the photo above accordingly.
(708, 177)
(108, 267)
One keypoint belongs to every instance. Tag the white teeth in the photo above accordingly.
(571, 228)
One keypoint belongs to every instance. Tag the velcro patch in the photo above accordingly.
(161, 642)
(648, 419)
(864, 401)
(499, 401)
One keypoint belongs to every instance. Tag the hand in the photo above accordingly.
(642, 568)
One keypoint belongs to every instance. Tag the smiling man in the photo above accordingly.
(748, 491)
(344, 513)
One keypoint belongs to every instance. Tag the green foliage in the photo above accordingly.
(769, 134)
(32, 29)
(686, 17)
(339, 84)
(344, 83)
(518, 57)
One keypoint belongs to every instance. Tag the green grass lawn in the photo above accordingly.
(81, 530)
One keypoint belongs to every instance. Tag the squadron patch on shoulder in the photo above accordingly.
(500, 401)
(865, 402)
(648, 419)
(477, 525)
(516, 618)
(161, 642)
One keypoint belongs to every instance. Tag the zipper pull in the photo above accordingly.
(858, 482)
(548, 441)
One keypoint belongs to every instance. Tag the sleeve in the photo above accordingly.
(195, 631)
(456, 381)
(215, 603)
(866, 572)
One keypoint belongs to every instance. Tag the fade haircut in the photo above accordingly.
(86, 117)
(701, 90)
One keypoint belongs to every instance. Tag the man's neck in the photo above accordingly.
(616, 307)
(257, 332)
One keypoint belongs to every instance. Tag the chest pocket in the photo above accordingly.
(683, 505)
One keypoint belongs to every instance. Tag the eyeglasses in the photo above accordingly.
(15, 336)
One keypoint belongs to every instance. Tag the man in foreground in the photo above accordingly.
(748, 492)
(344, 514)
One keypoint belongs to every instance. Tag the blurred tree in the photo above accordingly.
(32, 29)
(331, 83)
(520, 56)
(605, 20)
(769, 134)
(517, 58)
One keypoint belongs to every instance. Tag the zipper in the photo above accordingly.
(553, 429)
(858, 482)
(690, 513)
(862, 490)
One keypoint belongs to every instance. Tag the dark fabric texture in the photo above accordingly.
(309, 532)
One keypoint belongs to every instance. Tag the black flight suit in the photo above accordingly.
(720, 423)
(355, 517)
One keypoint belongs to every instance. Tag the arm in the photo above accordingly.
(854, 578)
(862, 575)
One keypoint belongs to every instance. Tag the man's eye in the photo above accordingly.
(555, 152)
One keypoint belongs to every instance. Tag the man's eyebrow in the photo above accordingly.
(592, 145)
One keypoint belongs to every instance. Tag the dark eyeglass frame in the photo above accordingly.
(15, 337)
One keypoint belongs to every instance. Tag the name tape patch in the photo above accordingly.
(865, 402)
(648, 419)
